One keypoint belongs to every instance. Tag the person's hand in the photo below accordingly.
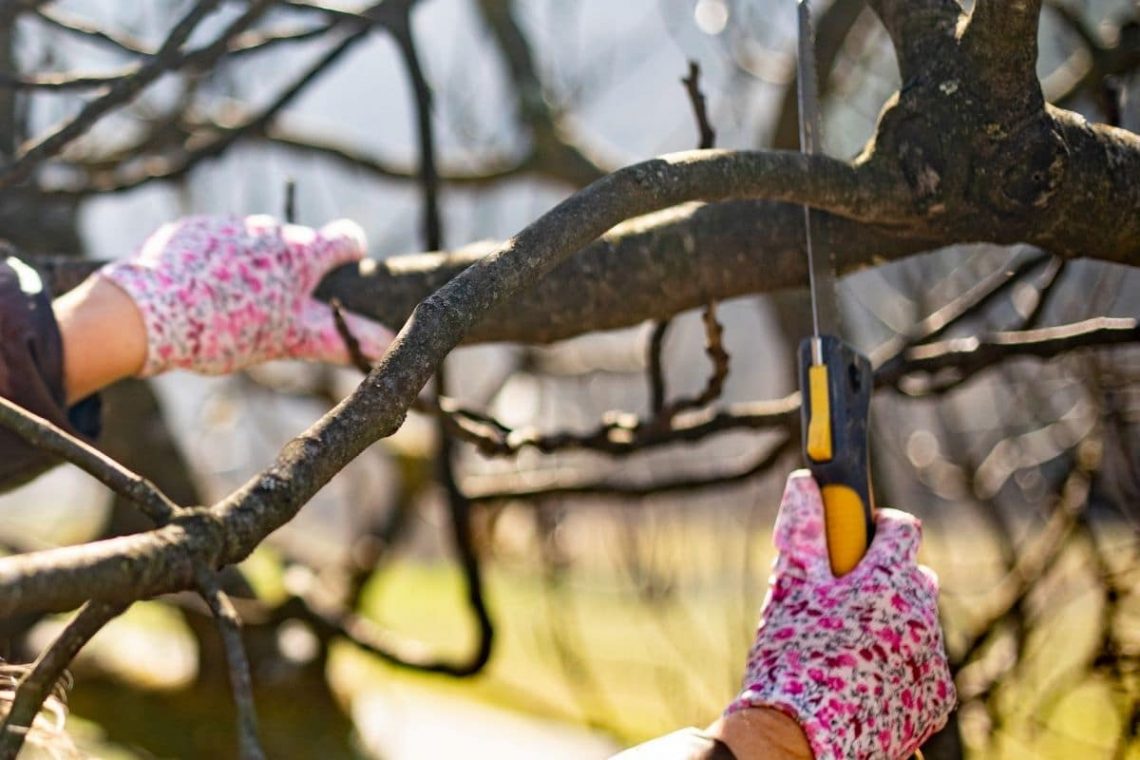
(217, 294)
(858, 661)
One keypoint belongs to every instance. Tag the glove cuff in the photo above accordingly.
(141, 284)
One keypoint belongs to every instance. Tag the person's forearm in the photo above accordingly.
(104, 338)
(762, 734)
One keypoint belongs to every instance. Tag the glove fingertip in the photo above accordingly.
(800, 532)
(340, 242)
(898, 535)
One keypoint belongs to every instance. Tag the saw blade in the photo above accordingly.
(821, 264)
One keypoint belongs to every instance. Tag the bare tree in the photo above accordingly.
(970, 149)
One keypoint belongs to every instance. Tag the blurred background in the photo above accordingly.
(621, 588)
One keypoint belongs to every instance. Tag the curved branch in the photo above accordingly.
(49, 667)
(165, 559)
(651, 267)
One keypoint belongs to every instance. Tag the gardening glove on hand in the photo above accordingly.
(858, 661)
(220, 293)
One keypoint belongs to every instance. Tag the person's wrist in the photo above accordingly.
(753, 733)
(104, 337)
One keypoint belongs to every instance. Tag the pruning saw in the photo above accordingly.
(835, 379)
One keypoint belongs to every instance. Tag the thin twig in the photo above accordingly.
(700, 113)
(121, 92)
(229, 626)
(655, 369)
(428, 174)
(290, 209)
(967, 355)
(81, 27)
(49, 667)
(663, 413)
(42, 434)
(624, 490)
(976, 298)
(718, 356)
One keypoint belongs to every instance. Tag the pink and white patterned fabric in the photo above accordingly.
(220, 293)
(858, 661)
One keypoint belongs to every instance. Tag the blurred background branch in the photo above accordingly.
(606, 494)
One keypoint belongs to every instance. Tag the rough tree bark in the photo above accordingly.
(967, 150)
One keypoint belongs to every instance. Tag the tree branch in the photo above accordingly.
(229, 626)
(920, 30)
(649, 268)
(120, 41)
(42, 434)
(232, 43)
(967, 355)
(38, 682)
(494, 491)
(164, 559)
(1003, 35)
(551, 147)
(121, 92)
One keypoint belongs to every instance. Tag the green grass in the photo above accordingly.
(592, 651)
(577, 653)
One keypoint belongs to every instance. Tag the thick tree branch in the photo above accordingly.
(1002, 36)
(649, 268)
(921, 30)
(165, 559)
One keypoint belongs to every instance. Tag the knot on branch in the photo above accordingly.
(1021, 168)
(919, 137)
(205, 533)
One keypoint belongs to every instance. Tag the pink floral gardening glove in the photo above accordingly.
(221, 293)
(858, 661)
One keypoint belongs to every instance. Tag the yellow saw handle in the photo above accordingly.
(836, 384)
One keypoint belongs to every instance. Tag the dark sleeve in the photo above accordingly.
(31, 371)
(686, 744)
